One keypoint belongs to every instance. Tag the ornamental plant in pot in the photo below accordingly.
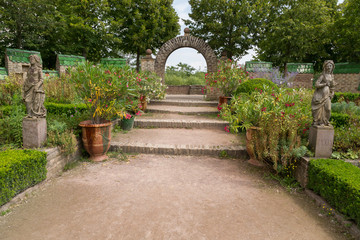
(227, 79)
(105, 90)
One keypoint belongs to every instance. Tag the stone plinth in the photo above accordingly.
(34, 132)
(321, 140)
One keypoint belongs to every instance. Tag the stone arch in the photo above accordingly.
(181, 42)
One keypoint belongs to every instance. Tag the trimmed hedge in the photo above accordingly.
(348, 97)
(19, 170)
(62, 108)
(255, 84)
(339, 119)
(339, 183)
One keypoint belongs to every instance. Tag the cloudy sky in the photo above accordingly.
(190, 55)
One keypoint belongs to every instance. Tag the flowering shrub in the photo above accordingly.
(108, 91)
(228, 77)
(150, 86)
(283, 117)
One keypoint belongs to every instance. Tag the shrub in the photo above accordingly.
(255, 84)
(283, 118)
(11, 126)
(19, 170)
(59, 89)
(10, 91)
(339, 183)
(61, 108)
(58, 134)
(347, 97)
(347, 138)
(344, 107)
(339, 119)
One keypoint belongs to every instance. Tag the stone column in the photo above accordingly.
(321, 140)
(148, 63)
(34, 132)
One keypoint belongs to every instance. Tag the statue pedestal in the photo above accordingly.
(34, 132)
(321, 140)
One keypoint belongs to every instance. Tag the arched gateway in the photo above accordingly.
(185, 41)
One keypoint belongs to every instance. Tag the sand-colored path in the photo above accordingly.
(166, 197)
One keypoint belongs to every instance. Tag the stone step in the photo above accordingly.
(173, 123)
(184, 103)
(182, 110)
(179, 97)
(180, 142)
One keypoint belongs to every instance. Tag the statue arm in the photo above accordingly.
(319, 83)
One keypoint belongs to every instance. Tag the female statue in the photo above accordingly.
(324, 92)
(33, 93)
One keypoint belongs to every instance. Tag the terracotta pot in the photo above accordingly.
(223, 100)
(96, 139)
(250, 133)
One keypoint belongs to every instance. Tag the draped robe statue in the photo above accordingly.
(324, 92)
(33, 93)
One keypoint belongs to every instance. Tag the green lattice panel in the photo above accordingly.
(120, 62)
(300, 67)
(20, 56)
(254, 66)
(70, 60)
(347, 68)
(3, 73)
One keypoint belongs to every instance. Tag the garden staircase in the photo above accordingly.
(180, 125)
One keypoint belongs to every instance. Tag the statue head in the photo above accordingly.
(35, 60)
(328, 66)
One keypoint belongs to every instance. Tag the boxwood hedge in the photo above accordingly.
(19, 170)
(339, 183)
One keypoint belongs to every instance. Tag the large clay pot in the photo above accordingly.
(223, 100)
(96, 139)
(250, 133)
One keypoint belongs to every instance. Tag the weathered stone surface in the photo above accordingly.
(34, 132)
(321, 140)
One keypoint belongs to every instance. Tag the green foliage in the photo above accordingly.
(339, 183)
(226, 25)
(138, 25)
(347, 138)
(281, 119)
(59, 90)
(62, 108)
(227, 79)
(10, 91)
(297, 31)
(339, 119)
(58, 134)
(347, 38)
(183, 74)
(255, 84)
(19, 170)
(343, 107)
(11, 126)
(347, 97)
(150, 86)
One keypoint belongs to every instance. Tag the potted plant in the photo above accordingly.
(105, 91)
(227, 79)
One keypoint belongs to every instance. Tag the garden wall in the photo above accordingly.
(347, 82)
(303, 80)
(185, 89)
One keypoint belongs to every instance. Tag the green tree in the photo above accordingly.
(347, 32)
(297, 31)
(23, 23)
(228, 25)
(142, 24)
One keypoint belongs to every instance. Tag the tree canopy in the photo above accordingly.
(91, 28)
(227, 25)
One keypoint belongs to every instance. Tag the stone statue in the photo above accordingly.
(324, 92)
(33, 93)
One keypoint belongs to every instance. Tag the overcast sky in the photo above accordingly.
(190, 55)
